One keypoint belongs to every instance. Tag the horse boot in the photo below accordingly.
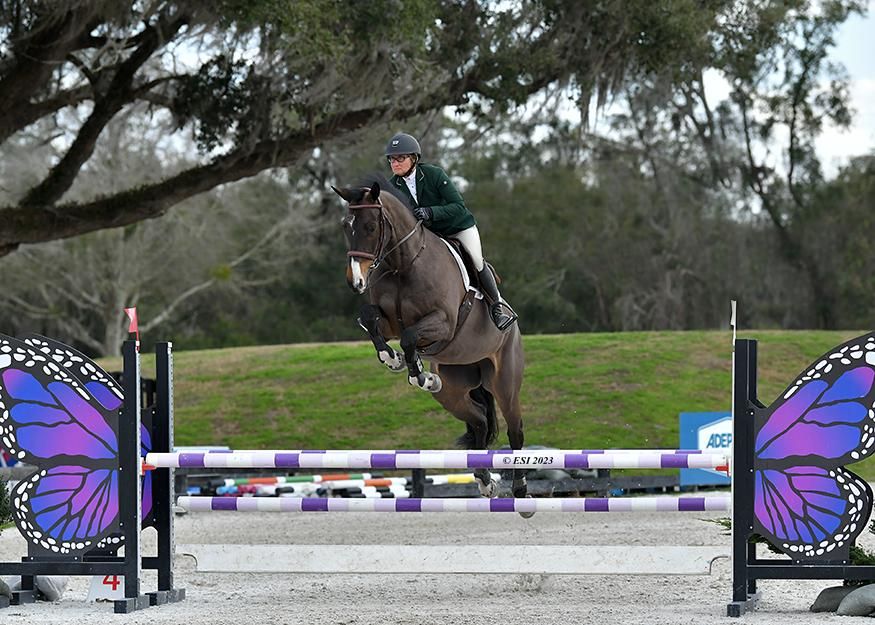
(502, 314)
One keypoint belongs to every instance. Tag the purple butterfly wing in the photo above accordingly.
(66, 508)
(804, 501)
(828, 411)
(49, 419)
(103, 387)
(46, 415)
(809, 511)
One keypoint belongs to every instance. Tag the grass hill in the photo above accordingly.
(621, 390)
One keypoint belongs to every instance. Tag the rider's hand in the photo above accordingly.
(423, 213)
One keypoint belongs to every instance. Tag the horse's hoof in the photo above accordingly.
(395, 363)
(427, 382)
(527, 515)
(489, 490)
(435, 383)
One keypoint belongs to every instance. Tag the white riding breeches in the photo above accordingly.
(470, 240)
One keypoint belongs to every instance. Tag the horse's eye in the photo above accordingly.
(371, 228)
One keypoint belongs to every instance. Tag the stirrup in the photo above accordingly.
(503, 316)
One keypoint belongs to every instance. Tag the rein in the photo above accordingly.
(380, 255)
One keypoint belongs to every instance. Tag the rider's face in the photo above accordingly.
(400, 168)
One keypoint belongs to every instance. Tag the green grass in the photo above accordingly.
(621, 390)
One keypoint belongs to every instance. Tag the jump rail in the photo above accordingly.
(580, 504)
(438, 459)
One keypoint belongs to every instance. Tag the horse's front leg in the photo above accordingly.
(431, 328)
(369, 320)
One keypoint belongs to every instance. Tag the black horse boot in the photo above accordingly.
(502, 314)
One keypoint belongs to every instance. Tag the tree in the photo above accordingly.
(76, 288)
(262, 83)
(775, 57)
(839, 233)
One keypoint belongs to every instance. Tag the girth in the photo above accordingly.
(464, 310)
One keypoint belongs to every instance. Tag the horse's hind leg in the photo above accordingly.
(456, 397)
(369, 320)
(504, 382)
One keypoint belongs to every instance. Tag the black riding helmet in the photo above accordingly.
(402, 143)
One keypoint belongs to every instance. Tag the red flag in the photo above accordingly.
(132, 326)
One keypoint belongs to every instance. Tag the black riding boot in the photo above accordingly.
(502, 314)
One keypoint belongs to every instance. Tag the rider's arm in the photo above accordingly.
(453, 205)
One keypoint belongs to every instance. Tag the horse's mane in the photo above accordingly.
(386, 186)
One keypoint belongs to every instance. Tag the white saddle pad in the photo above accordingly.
(465, 280)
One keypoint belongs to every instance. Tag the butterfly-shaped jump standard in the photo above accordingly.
(805, 502)
(59, 411)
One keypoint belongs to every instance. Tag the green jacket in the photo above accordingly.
(435, 190)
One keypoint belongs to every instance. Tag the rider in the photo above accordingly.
(439, 205)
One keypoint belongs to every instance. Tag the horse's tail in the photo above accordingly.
(483, 397)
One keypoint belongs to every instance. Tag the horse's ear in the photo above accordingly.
(346, 194)
(375, 191)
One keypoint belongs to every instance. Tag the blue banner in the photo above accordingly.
(710, 432)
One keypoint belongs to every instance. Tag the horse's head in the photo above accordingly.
(367, 229)
(377, 226)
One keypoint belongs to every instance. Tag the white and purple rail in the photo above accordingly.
(441, 459)
(578, 504)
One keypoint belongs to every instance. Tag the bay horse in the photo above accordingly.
(415, 293)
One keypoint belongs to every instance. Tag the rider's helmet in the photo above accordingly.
(402, 143)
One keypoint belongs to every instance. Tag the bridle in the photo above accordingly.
(380, 255)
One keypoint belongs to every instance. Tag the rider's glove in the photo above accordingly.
(423, 213)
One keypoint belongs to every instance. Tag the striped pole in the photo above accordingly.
(445, 459)
(225, 450)
(345, 480)
(296, 479)
(584, 504)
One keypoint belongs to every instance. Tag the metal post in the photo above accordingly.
(418, 479)
(743, 403)
(163, 479)
(130, 495)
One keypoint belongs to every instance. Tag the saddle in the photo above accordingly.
(473, 278)
(468, 301)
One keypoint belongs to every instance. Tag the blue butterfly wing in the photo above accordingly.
(804, 502)
(46, 416)
(68, 509)
(49, 419)
(104, 388)
(810, 511)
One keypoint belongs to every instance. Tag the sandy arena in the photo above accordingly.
(431, 599)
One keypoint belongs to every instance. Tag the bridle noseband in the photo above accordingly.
(383, 220)
(380, 255)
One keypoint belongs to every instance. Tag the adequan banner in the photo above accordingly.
(711, 432)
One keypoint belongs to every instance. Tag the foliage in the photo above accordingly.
(261, 84)
(655, 226)
(776, 58)
(5, 503)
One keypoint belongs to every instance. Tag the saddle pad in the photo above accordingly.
(465, 280)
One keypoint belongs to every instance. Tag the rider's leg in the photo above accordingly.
(502, 314)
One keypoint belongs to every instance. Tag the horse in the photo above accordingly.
(416, 294)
